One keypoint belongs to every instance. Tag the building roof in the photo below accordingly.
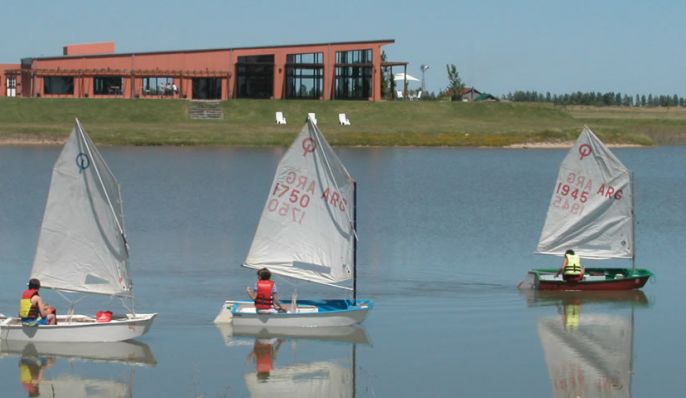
(384, 41)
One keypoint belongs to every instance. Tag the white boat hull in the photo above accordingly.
(78, 328)
(308, 314)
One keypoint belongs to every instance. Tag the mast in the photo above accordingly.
(633, 223)
(354, 242)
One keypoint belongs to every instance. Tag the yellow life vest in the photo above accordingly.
(27, 309)
(573, 266)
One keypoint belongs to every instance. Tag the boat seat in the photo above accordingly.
(302, 309)
(592, 278)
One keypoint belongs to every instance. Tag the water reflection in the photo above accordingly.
(588, 344)
(331, 376)
(40, 374)
(618, 298)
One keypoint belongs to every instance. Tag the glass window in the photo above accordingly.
(305, 58)
(255, 76)
(353, 74)
(11, 82)
(58, 85)
(108, 85)
(354, 57)
(156, 85)
(208, 88)
(304, 75)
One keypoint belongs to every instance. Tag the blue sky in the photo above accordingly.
(498, 46)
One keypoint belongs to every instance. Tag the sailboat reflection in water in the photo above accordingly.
(37, 359)
(263, 354)
(31, 371)
(589, 352)
(284, 373)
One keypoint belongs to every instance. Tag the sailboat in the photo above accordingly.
(591, 212)
(306, 232)
(82, 248)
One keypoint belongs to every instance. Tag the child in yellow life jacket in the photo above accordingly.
(571, 269)
(32, 310)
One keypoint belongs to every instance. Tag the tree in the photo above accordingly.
(384, 81)
(455, 84)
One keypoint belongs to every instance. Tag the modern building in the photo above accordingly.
(343, 70)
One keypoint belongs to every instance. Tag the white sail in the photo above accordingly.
(82, 245)
(306, 229)
(316, 379)
(590, 211)
(593, 359)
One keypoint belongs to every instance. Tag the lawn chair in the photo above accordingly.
(343, 119)
(399, 94)
(280, 118)
(312, 117)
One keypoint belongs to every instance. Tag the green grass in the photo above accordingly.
(393, 123)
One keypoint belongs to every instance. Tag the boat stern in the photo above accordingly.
(225, 314)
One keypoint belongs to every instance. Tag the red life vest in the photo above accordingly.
(27, 309)
(263, 297)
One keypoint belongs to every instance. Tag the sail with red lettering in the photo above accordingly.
(306, 230)
(591, 210)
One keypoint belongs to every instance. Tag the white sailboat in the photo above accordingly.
(306, 232)
(591, 212)
(82, 248)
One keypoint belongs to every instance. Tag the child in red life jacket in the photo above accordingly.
(265, 295)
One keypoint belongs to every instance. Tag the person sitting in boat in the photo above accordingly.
(32, 310)
(571, 269)
(265, 295)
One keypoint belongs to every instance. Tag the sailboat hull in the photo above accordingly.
(594, 279)
(79, 328)
(309, 313)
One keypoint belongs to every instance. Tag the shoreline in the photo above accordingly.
(529, 145)
(562, 145)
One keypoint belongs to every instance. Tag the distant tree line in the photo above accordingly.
(597, 99)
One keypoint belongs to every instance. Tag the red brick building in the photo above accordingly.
(344, 70)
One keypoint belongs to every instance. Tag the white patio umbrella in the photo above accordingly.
(404, 76)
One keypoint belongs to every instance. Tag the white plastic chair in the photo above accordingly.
(399, 94)
(419, 95)
(312, 117)
(343, 119)
(280, 118)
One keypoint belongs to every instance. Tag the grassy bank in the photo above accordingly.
(398, 123)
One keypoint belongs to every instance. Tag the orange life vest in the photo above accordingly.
(264, 299)
(27, 309)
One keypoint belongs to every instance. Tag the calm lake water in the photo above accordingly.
(445, 236)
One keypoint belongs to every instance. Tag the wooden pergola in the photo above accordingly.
(390, 65)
